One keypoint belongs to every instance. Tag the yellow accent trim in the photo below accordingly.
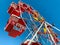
(35, 18)
(45, 30)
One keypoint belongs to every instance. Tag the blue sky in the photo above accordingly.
(49, 9)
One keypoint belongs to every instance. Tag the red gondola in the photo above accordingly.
(19, 23)
(33, 43)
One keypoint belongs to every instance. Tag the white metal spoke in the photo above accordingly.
(50, 34)
(35, 34)
(53, 26)
(25, 23)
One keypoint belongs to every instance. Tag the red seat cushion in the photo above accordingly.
(21, 22)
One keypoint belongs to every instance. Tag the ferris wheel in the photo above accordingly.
(17, 24)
